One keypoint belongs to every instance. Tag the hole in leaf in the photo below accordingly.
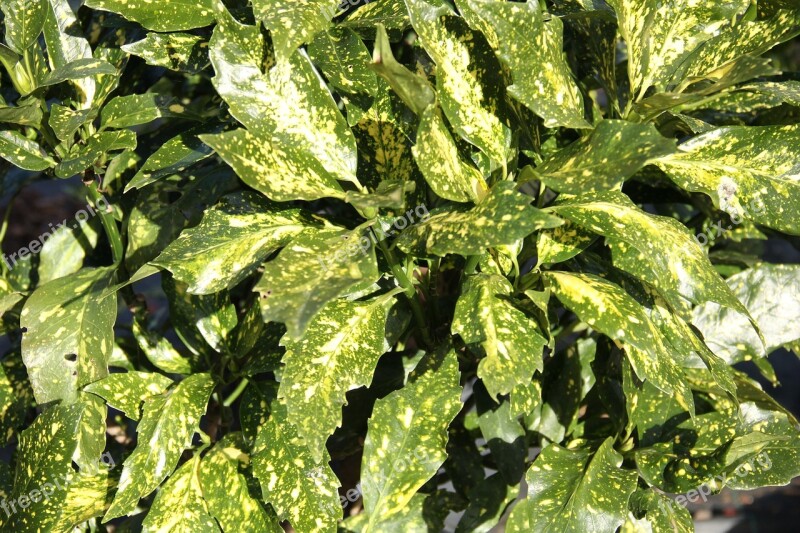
(71, 357)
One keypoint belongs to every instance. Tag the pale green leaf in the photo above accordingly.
(176, 51)
(294, 23)
(161, 16)
(126, 391)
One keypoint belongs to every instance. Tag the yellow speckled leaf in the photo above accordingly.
(337, 353)
(406, 438)
(126, 391)
(165, 431)
(437, 156)
(300, 489)
(532, 49)
(574, 491)
(294, 23)
(512, 341)
(161, 16)
(468, 77)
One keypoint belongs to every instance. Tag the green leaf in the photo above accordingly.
(65, 121)
(176, 51)
(294, 23)
(302, 490)
(226, 492)
(126, 391)
(487, 504)
(70, 333)
(287, 107)
(575, 491)
(168, 16)
(174, 156)
(607, 308)
(133, 110)
(313, 269)
(346, 340)
(437, 156)
(180, 503)
(282, 172)
(486, 314)
(562, 243)
(231, 241)
(27, 114)
(66, 45)
(165, 431)
(612, 153)
(97, 147)
(468, 78)
(78, 69)
(660, 514)
(502, 217)
(45, 451)
(748, 171)
(528, 43)
(415, 91)
(24, 20)
(660, 37)
(657, 249)
(160, 351)
(22, 152)
(64, 252)
(772, 295)
(345, 59)
(405, 444)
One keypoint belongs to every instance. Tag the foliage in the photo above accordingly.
(369, 266)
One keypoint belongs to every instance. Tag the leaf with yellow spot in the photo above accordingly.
(313, 269)
(562, 243)
(24, 20)
(65, 45)
(406, 437)
(70, 333)
(183, 52)
(748, 171)
(45, 467)
(659, 514)
(302, 490)
(660, 36)
(533, 49)
(161, 16)
(180, 504)
(606, 307)
(612, 153)
(292, 24)
(468, 77)
(231, 241)
(502, 217)
(436, 154)
(574, 491)
(165, 431)
(126, 391)
(287, 108)
(337, 353)
(23, 152)
(227, 493)
(486, 314)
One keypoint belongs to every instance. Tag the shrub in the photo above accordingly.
(396, 262)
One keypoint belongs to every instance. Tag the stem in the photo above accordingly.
(4, 229)
(409, 290)
(109, 224)
(236, 393)
(472, 263)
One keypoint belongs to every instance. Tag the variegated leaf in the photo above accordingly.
(502, 217)
(294, 23)
(533, 50)
(302, 490)
(337, 353)
(126, 391)
(406, 438)
(468, 77)
(22, 152)
(231, 241)
(176, 51)
(288, 105)
(514, 346)
(161, 16)
(179, 505)
(436, 154)
(313, 269)
(748, 171)
(574, 491)
(607, 308)
(165, 431)
(612, 153)
(70, 333)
